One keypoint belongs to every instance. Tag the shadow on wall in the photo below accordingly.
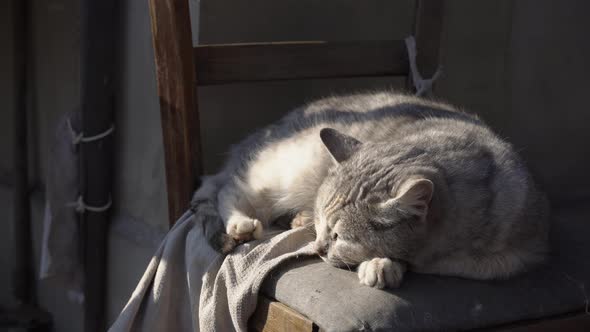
(550, 114)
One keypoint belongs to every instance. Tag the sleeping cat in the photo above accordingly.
(391, 182)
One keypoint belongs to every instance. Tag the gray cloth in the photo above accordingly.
(231, 285)
(335, 301)
(190, 287)
(60, 247)
(167, 296)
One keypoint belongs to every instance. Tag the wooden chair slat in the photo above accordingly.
(232, 63)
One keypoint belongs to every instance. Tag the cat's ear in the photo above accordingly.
(340, 146)
(413, 197)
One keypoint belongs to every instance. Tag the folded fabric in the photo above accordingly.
(188, 286)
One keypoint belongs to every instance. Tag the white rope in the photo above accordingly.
(78, 138)
(82, 207)
(422, 85)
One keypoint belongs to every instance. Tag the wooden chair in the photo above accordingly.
(181, 68)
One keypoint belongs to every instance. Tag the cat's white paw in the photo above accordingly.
(302, 219)
(244, 228)
(381, 273)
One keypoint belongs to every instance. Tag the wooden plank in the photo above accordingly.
(172, 41)
(427, 31)
(272, 316)
(218, 64)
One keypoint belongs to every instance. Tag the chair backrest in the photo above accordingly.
(180, 68)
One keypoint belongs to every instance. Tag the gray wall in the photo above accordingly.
(6, 106)
(549, 86)
(521, 65)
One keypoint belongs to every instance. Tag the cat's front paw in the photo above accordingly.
(244, 229)
(381, 273)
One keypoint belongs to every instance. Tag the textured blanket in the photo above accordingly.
(188, 286)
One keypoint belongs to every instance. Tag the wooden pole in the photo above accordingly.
(98, 35)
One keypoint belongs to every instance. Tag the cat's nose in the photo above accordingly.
(321, 248)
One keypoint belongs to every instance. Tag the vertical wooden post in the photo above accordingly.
(428, 27)
(98, 35)
(172, 40)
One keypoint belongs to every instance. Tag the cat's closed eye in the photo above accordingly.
(334, 236)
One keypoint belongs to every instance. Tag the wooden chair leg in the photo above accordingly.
(173, 50)
(273, 316)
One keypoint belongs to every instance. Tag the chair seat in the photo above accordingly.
(334, 299)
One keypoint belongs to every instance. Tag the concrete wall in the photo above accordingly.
(520, 65)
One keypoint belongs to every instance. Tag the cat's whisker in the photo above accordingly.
(311, 233)
(347, 266)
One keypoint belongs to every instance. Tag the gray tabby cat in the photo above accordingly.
(391, 182)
